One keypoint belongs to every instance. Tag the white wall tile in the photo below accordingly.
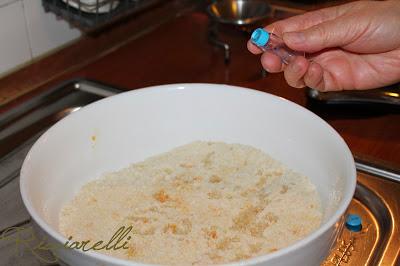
(45, 31)
(5, 2)
(14, 43)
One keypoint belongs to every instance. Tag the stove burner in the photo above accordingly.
(213, 38)
(224, 36)
(218, 36)
(236, 14)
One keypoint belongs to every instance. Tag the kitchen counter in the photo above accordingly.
(178, 51)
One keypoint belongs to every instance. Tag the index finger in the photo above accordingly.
(306, 20)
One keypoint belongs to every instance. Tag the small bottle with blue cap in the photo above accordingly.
(270, 42)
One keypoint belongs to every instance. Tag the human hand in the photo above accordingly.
(352, 46)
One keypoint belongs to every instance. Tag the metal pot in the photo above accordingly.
(239, 12)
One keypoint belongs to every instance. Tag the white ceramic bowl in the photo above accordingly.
(134, 125)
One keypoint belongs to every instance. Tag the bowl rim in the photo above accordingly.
(330, 222)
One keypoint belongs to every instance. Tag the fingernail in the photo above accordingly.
(296, 37)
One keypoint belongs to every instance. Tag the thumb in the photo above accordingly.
(318, 37)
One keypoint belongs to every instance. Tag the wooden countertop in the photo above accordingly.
(179, 52)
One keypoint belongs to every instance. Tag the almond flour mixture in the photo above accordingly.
(201, 203)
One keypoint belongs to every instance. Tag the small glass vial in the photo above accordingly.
(270, 42)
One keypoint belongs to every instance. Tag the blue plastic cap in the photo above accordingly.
(353, 222)
(260, 37)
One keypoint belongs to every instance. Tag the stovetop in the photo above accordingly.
(376, 199)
